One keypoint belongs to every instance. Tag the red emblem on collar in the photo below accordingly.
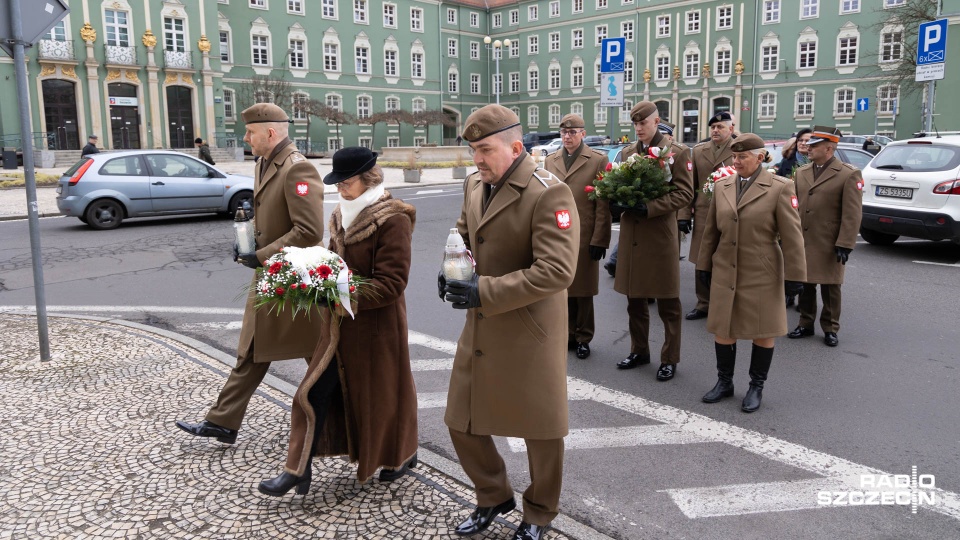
(563, 219)
(689, 165)
(793, 201)
(303, 188)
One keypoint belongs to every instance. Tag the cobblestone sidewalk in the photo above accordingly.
(88, 450)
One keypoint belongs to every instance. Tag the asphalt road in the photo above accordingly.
(644, 459)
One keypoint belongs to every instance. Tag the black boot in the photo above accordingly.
(279, 486)
(726, 360)
(760, 359)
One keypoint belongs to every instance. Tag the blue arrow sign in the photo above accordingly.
(863, 104)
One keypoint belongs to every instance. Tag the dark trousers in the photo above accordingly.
(670, 313)
(703, 296)
(580, 318)
(480, 460)
(829, 316)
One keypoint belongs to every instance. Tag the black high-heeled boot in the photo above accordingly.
(389, 475)
(279, 486)
(760, 360)
(726, 360)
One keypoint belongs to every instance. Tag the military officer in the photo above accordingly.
(648, 265)
(577, 165)
(830, 210)
(288, 199)
(744, 266)
(707, 157)
(509, 372)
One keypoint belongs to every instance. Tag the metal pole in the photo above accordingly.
(497, 82)
(931, 90)
(33, 215)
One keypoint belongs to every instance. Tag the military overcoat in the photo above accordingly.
(595, 217)
(648, 263)
(288, 203)
(509, 374)
(707, 158)
(740, 247)
(830, 213)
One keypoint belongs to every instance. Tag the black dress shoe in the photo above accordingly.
(279, 486)
(571, 344)
(695, 314)
(583, 350)
(529, 531)
(483, 516)
(666, 372)
(611, 269)
(389, 475)
(830, 339)
(800, 332)
(209, 429)
(633, 360)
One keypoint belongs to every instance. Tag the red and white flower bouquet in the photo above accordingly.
(715, 177)
(638, 179)
(304, 278)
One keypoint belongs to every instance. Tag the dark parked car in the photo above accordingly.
(104, 189)
(593, 140)
(534, 138)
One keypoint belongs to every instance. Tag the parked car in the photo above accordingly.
(104, 189)
(847, 154)
(593, 140)
(614, 152)
(882, 140)
(912, 188)
(546, 149)
(534, 138)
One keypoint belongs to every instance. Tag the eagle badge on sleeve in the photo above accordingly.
(303, 188)
(563, 219)
(793, 201)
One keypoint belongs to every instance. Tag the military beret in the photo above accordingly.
(572, 121)
(722, 116)
(747, 141)
(824, 133)
(487, 121)
(665, 128)
(264, 112)
(642, 110)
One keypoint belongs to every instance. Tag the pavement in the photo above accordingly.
(13, 201)
(89, 450)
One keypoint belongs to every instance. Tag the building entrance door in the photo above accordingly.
(124, 116)
(691, 122)
(60, 112)
(180, 116)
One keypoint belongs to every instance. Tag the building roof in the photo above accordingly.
(486, 4)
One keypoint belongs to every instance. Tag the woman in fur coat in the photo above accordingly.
(358, 397)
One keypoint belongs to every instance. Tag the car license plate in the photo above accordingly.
(59, 189)
(899, 193)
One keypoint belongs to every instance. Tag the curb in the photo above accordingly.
(562, 523)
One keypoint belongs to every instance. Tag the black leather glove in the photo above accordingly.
(704, 277)
(464, 294)
(249, 260)
(236, 253)
(842, 254)
(441, 285)
(640, 209)
(616, 209)
(597, 253)
(684, 226)
(792, 288)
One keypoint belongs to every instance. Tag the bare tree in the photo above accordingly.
(431, 117)
(398, 117)
(263, 88)
(336, 117)
(908, 17)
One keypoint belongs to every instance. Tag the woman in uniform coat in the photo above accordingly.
(358, 396)
(744, 266)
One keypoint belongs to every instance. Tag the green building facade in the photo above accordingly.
(158, 73)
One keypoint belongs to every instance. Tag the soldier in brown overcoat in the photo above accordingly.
(509, 374)
(830, 194)
(707, 158)
(288, 198)
(577, 165)
(745, 267)
(648, 264)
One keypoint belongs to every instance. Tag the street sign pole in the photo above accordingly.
(16, 27)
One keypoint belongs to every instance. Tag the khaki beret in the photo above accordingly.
(747, 141)
(722, 116)
(264, 112)
(824, 133)
(487, 121)
(572, 121)
(642, 110)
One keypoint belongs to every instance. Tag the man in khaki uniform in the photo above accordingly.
(707, 158)
(509, 374)
(830, 194)
(648, 265)
(288, 198)
(577, 165)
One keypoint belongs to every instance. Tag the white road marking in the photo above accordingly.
(742, 499)
(431, 400)
(428, 191)
(130, 309)
(620, 437)
(232, 325)
(954, 265)
(436, 364)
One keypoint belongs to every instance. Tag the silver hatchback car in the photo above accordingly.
(104, 189)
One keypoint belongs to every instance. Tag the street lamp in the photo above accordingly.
(497, 45)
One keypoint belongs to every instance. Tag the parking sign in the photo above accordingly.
(613, 55)
(932, 50)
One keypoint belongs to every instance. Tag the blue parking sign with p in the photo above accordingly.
(613, 54)
(932, 44)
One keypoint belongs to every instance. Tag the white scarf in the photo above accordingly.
(349, 210)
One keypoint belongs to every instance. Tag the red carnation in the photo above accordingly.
(589, 189)
(303, 286)
(274, 268)
(609, 167)
(310, 272)
(279, 291)
(324, 271)
(353, 289)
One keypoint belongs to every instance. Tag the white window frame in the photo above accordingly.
(116, 33)
(554, 77)
(533, 44)
(298, 113)
(361, 11)
(885, 100)
(257, 4)
(474, 50)
(497, 20)
(553, 115)
(226, 56)
(722, 65)
(599, 114)
(451, 16)
(514, 17)
(533, 79)
(892, 45)
(533, 13)
(364, 107)
(772, 10)
(295, 7)
(533, 115)
(725, 17)
(626, 30)
(514, 82)
(361, 62)
(391, 62)
(691, 64)
(229, 104)
(849, 6)
(600, 31)
(174, 34)
(804, 109)
(854, 51)
(418, 105)
(331, 57)
(602, 4)
(453, 81)
(297, 56)
(693, 20)
(809, 9)
(807, 46)
(474, 83)
(554, 8)
(389, 15)
(767, 105)
(263, 47)
(416, 20)
(576, 6)
(576, 75)
(662, 66)
(771, 56)
(576, 38)
(453, 48)
(334, 101)
(417, 67)
(663, 26)
(474, 19)
(849, 106)
(554, 39)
